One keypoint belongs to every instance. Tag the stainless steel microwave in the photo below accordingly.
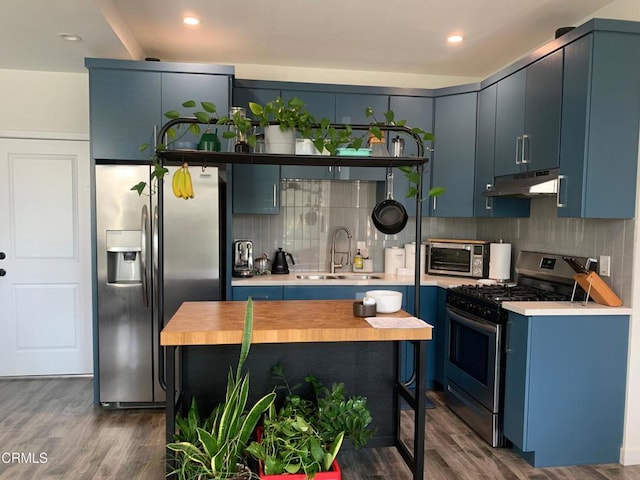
(462, 258)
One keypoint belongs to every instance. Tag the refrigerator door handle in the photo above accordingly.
(144, 275)
(154, 255)
(159, 311)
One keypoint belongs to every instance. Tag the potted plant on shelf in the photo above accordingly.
(216, 450)
(281, 121)
(302, 439)
(410, 172)
(329, 138)
(242, 129)
(174, 135)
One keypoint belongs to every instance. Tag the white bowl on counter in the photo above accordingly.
(387, 301)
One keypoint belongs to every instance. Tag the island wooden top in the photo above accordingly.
(287, 321)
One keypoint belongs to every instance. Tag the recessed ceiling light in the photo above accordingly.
(189, 20)
(70, 37)
(455, 38)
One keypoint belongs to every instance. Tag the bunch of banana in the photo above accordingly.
(181, 182)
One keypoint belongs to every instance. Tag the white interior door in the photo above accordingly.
(45, 282)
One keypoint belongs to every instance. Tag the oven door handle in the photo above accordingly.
(473, 324)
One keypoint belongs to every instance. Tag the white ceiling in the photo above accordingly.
(402, 36)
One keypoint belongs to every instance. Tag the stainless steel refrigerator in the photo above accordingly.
(138, 289)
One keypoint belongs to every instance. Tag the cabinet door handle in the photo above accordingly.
(525, 145)
(487, 200)
(559, 203)
(518, 150)
(435, 203)
(155, 138)
(275, 195)
(508, 337)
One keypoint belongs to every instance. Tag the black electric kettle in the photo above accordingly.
(279, 263)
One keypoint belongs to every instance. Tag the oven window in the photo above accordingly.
(451, 259)
(469, 351)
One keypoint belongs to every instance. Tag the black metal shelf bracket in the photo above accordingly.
(414, 457)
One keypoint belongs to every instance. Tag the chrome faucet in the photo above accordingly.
(332, 264)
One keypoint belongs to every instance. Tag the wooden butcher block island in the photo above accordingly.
(287, 321)
(322, 337)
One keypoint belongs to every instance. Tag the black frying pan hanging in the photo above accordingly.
(389, 216)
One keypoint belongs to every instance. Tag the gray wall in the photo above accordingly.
(312, 209)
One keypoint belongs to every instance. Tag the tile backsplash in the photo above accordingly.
(544, 231)
(311, 210)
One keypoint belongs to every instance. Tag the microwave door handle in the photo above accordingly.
(474, 325)
(144, 252)
(451, 246)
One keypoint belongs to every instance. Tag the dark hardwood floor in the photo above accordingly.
(49, 429)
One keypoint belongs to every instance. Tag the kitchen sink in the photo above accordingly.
(347, 276)
(316, 277)
(357, 276)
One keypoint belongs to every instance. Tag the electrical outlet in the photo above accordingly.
(604, 266)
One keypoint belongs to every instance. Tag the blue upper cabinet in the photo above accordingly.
(180, 87)
(529, 104)
(321, 105)
(418, 112)
(125, 113)
(485, 152)
(256, 188)
(600, 124)
(351, 108)
(338, 108)
(454, 156)
(128, 98)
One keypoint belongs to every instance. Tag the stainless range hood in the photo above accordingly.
(528, 184)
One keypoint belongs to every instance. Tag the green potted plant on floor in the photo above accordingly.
(290, 446)
(302, 439)
(216, 450)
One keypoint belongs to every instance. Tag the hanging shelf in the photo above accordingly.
(218, 158)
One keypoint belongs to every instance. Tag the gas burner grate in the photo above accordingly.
(505, 293)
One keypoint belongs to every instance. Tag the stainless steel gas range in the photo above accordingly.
(476, 334)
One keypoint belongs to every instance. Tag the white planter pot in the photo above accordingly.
(280, 141)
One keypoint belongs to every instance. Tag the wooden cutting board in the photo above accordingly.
(600, 291)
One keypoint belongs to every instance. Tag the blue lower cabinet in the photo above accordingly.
(429, 297)
(257, 293)
(565, 384)
(337, 292)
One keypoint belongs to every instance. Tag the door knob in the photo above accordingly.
(3, 272)
(2, 255)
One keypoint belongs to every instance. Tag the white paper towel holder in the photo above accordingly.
(500, 269)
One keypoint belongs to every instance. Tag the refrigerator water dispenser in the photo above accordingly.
(124, 256)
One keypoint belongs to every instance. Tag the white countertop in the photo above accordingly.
(442, 281)
(563, 308)
(386, 279)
